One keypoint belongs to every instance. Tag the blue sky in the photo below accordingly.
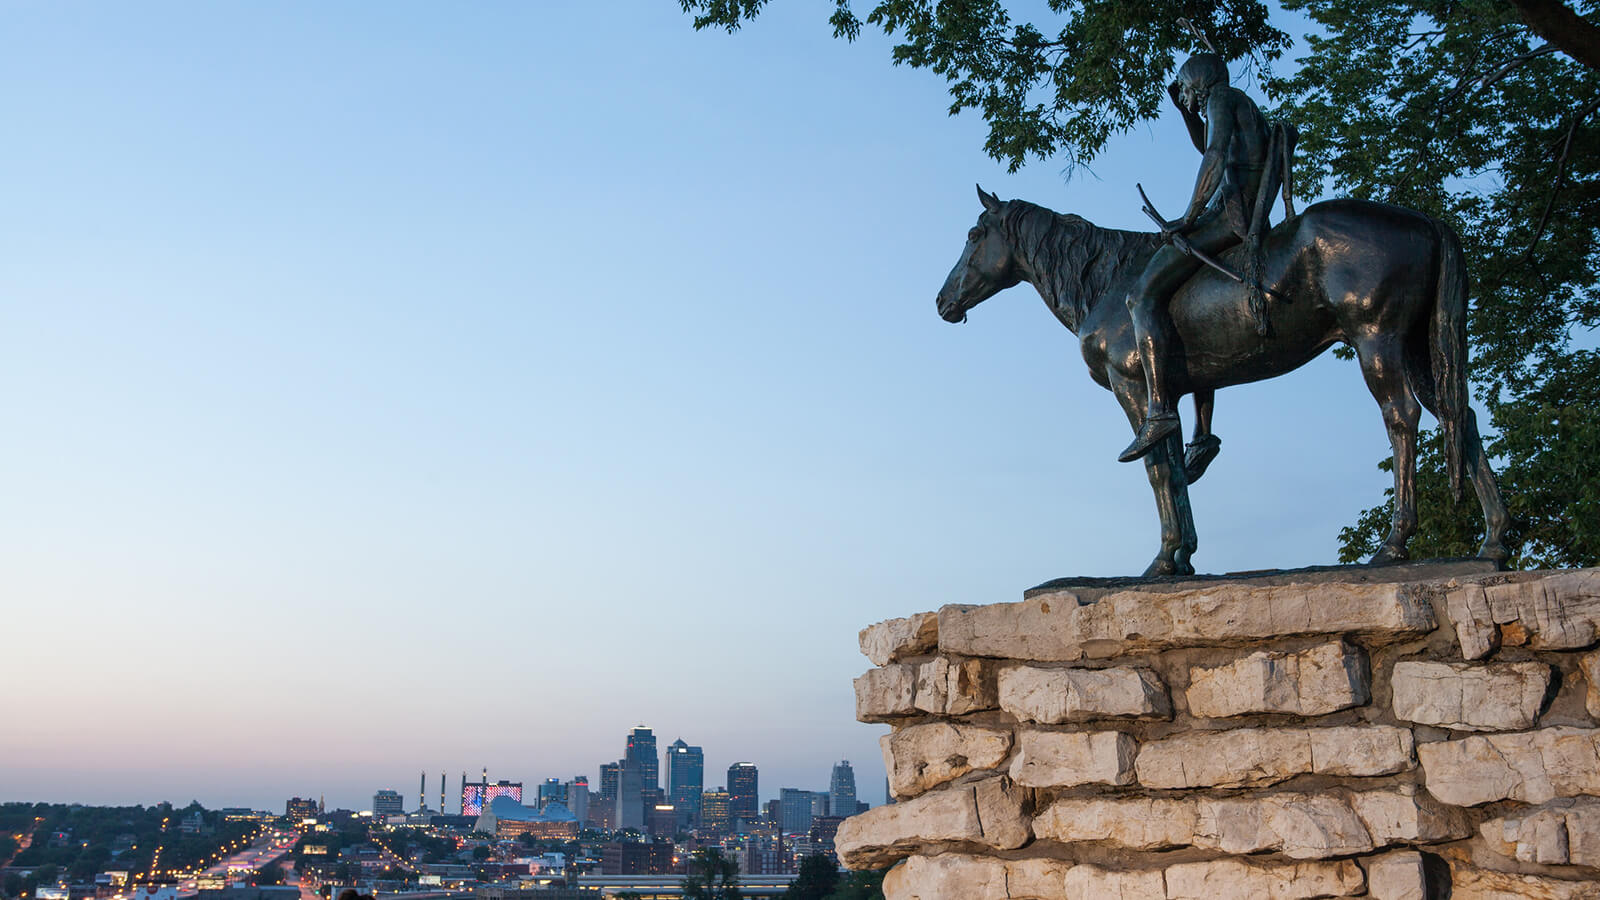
(410, 386)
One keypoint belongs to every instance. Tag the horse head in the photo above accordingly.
(986, 266)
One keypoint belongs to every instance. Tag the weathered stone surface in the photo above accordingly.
(1226, 878)
(1088, 882)
(924, 756)
(1298, 824)
(1066, 759)
(959, 876)
(1136, 823)
(1559, 833)
(991, 813)
(1466, 697)
(1531, 766)
(1397, 875)
(972, 686)
(932, 694)
(896, 639)
(1558, 611)
(1261, 756)
(1469, 883)
(1053, 696)
(1056, 627)
(1590, 664)
(886, 693)
(1311, 682)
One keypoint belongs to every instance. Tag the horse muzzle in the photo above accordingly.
(951, 310)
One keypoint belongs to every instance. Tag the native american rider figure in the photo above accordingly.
(1244, 163)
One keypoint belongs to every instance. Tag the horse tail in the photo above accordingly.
(1448, 352)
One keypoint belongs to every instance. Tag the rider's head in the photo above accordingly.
(1198, 76)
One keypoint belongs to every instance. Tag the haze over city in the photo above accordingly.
(400, 389)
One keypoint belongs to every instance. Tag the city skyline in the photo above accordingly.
(410, 389)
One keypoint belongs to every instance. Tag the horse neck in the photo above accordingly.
(1072, 262)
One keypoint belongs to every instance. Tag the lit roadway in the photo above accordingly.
(270, 848)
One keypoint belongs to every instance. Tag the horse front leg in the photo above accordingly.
(1164, 467)
(1383, 366)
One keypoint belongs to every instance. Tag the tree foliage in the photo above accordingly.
(1479, 112)
(817, 878)
(712, 876)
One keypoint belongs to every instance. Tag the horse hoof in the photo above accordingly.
(1161, 567)
(1498, 554)
(1388, 554)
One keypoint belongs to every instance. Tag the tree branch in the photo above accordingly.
(1561, 176)
(1554, 21)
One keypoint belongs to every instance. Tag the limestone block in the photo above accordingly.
(886, 693)
(1136, 823)
(896, 639)
(1300, 825)
(1220, 878)
(924, 756)
(1065, 759)
(1311, 682)
(1397, 875)
(1058, 627)
(1466, 697)
(1531, 766)
(1590, 664)
(1561, 832)
(1054, 696)
(972, 686)
(932, 693)
(1088, 882)
(959, 876)
(1469, 883)
(1559, 611)
(1261, 756)
(993, 813)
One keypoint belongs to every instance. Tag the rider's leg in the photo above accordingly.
(1198, 453)
(1147, 301)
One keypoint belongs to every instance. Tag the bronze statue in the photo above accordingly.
(1389, 282)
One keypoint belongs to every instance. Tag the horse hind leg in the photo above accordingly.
(1383, 367)
(1496, 520)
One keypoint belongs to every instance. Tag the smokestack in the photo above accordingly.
(441, 793)
(422, 791)
(463, 793)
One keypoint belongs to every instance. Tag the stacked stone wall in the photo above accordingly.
(1427, 737)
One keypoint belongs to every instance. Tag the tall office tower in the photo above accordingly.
(388, 803)
(610, 774)
(819, 804)
(714, 811)
(642, 752)
(578, 798)
(744, 801)
(553, 791)
(796, 809)
(630, 796)
(842, 790)
(686, 780)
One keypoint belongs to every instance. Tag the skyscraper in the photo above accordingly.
(796, 809)
(388, 803)
(630, 795)
(842, 790)
(744, 801)
(610, 774)
(642, 752)
(686, 780)
(714, 811)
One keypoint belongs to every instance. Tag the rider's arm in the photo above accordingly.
(1196, 126)
(1219, 112)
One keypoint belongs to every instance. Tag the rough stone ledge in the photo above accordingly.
(1470, 883)
(1057, 627)
(1530, 766)
(961, 876)
(1066, 759)
(1056, 696)
(1265, 756)
(896, 639)
(925, 756)
(940, 686)
(1558, 833)
(1552, 611)
(992, 813)
(1224, 878)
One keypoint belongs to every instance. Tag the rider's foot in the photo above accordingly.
(1155, 429)
(1198, 454)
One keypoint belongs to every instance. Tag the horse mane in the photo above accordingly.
(1074, 261)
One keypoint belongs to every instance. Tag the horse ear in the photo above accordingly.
(990, 201)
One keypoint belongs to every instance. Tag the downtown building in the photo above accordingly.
(744, 803)
(686, 781)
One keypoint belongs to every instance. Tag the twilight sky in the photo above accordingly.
(408, 386)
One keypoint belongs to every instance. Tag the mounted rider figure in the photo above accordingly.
(1243, 164)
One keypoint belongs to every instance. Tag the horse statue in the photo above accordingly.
(1387, 281)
